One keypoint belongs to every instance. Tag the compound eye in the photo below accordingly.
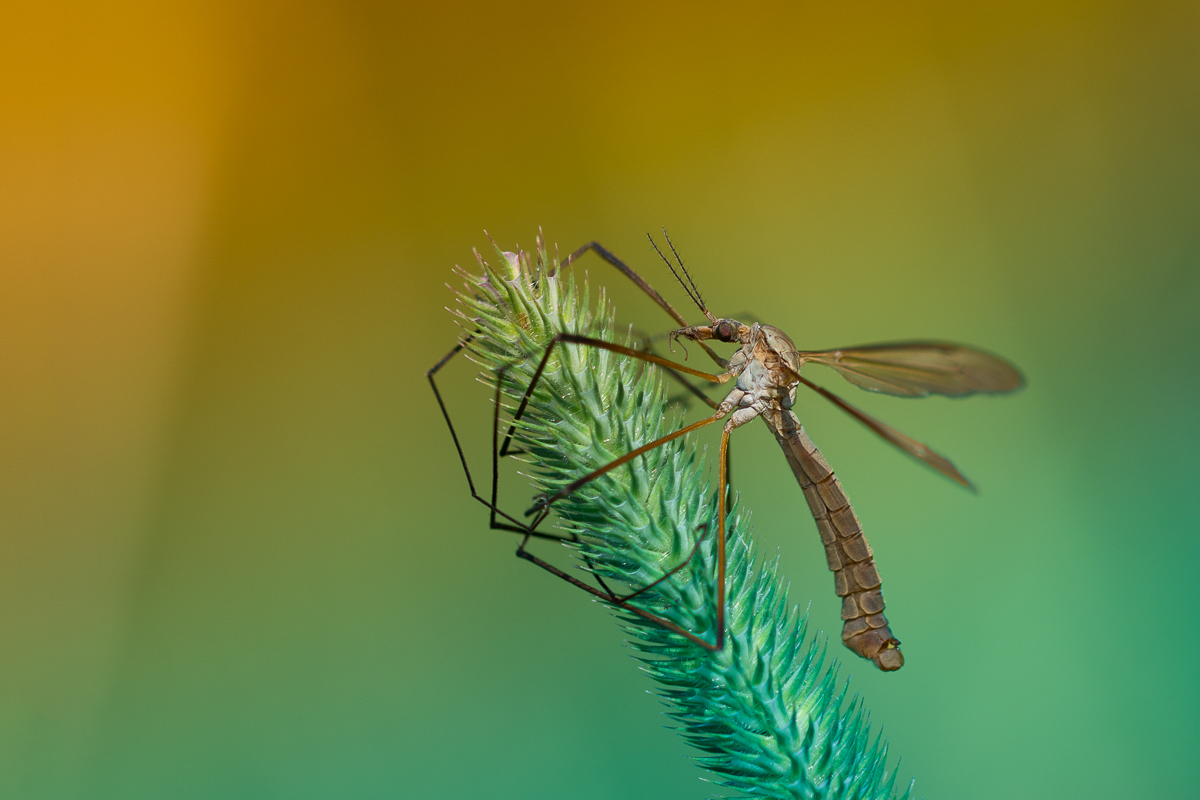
(725, 331)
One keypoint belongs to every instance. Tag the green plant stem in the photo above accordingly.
(769, 718)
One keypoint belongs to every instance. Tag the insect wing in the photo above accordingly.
(919, 369)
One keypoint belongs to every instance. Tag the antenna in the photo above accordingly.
(682, 267)
(689, 286)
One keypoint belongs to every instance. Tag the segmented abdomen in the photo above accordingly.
(865, 629)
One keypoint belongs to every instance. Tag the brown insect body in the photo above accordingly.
(767, 368)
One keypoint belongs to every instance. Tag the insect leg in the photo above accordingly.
(906, 443)
(671, 368)
(650, 291)
(618, 601)
(542, 509)
(529, 530)
(626, 270)
(692, 389)
(722, 492)
(616, 348)
(513, 524)
(608, 256)
(698, 391)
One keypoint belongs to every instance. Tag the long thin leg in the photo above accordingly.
(625, 269)
(699, 392)
(616, 348)
(608, 256)
(903, 441)
(671, 626)
(692, 388)
(515, 525)
(529, 529)
(542, 508)
(670, 366)
(684, 563)
(723, 490)
(607, 594)
(642, 284)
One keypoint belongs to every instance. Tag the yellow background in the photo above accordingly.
(237, 557)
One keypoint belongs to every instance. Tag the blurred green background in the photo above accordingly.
(237, 558)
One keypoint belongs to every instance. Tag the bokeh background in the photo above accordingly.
(236, 554)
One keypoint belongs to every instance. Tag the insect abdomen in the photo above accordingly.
(865, 628)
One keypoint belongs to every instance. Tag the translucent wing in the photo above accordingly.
(919, 369)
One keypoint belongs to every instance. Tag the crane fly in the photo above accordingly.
(765, 373)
